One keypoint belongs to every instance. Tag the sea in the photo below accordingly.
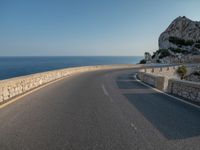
(19, 66)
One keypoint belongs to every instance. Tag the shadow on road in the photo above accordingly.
(125, 82)
(174, 119)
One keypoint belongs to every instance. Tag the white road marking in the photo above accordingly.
(133, 126)
(174, 97)
(106, 92)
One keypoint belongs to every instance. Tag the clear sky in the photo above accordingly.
(87, 27)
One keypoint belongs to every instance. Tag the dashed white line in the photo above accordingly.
(106, 93)
(104, 90)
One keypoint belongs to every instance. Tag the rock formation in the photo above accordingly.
(147, 57)
(182, 33)
(179, 43)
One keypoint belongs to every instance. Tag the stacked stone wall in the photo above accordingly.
(186, 89)
(156, 81)
(16, 86)
(166, 79)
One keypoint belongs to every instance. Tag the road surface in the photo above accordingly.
(102, 110)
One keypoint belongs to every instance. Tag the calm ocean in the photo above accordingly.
(18, 66)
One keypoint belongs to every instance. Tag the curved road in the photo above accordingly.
(102, 110)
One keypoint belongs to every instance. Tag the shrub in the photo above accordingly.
(195, 51)
(158, 61)
(163, 53)
(189, 42)
(198, 41)
(197, 73)
(178, 50)
(178, 41)
(197, 45)
(154, 55)
(182, 70)
(143, 61)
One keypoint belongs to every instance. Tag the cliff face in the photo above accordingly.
(179, 43)
(182, 33)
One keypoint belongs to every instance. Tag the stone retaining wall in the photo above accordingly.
(186, 89)
(16, 86)
(166, 79)
(169, 72)
(157, 81)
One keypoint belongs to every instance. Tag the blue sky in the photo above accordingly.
(87, 27)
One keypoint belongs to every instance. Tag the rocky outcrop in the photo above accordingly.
(194, 76)
(182, 33)
(179, 43)
(147, 57)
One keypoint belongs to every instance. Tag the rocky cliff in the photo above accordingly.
(182, 33)
(179, 43)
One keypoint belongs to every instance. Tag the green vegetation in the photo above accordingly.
(158, 61)
(195, 51)
(196, 73)
(143, 61)
(154, 55)
(178, 50)
(178, 41)
(197, 45)
(182, 70)
(163, 53)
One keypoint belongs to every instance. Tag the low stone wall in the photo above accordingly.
(162, 74)
(16, 86)
(166, 79)
(157, 81)
(185, 89)
(169, 72)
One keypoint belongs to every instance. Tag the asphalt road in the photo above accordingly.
(102, 110)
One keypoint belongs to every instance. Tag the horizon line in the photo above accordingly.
(74, 56)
